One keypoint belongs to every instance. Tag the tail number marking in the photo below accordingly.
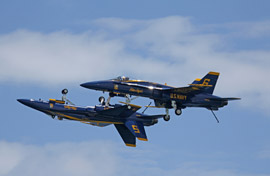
(206, 82)
(135, 128)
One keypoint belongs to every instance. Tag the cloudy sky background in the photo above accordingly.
(47, 46)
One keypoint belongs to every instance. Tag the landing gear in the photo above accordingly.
(101, 99)
(64, 97)
(129, 99)
(178, 112)
(109, 99)
(167, 116)
(64, 91)
(64, 94)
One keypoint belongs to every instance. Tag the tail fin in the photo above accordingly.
(209, 81)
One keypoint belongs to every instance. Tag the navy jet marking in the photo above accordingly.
(198, 94)
(128, 122)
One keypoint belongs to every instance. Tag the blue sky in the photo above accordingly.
(49, 45)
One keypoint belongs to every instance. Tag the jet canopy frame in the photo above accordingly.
(121, 78)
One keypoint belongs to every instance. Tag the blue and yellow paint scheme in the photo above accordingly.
(128, 122)
(198, 94)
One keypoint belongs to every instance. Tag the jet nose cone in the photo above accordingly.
(26, 102)
(23, 101)
(96, 85)
(85, 85)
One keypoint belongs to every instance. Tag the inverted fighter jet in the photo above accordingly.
(198, 94)
(128, 122)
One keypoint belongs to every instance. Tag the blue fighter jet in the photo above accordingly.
(128, 122)
(198, 94)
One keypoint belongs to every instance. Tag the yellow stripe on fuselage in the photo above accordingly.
(95, 121)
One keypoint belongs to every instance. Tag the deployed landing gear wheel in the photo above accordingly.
(64, 91)
(101, 100)
(178, 112)
(166, 117)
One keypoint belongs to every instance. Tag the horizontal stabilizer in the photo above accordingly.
(224, 99)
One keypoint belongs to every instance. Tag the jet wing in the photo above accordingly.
(99, 124)
(121, 111)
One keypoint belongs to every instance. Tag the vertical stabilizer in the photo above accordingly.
(208, 81)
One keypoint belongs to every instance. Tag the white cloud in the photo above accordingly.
(253, 30)
(99, 158)
(170, 49)
(96, 158)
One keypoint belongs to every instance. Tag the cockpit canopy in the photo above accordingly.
(121, 78)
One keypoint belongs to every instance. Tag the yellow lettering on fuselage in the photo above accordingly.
(178, 96)
(135, 90)
(70, 107)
